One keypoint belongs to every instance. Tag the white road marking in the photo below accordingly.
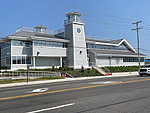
(57, 107)
(106, 82)
(40, 90)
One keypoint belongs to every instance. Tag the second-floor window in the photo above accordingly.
(21, 43)
(50, 44)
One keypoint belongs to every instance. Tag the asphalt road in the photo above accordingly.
(104, 95)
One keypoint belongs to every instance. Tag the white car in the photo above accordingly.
(145, 70)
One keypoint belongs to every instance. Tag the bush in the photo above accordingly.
(123, 68)
(82, 69)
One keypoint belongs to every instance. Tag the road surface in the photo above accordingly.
(130, 94)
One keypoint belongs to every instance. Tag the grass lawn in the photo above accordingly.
(25, 80)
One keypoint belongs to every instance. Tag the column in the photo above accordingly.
(34, 61)
(60, 61)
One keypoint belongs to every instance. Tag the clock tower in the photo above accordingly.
(74, 31)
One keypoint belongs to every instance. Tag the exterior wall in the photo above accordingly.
(77, 54)
(5, 53)
(49, 51)
(70, 52)
(20, 50)
(106, 61)
(19, 66)
(80, 52)
(46, 62)
(102, 61)
(92, 58)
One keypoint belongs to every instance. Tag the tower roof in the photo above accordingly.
(40, 26)
(73, 13)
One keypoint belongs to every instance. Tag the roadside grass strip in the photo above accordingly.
(71, 89)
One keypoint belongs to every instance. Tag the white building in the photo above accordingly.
(40, 48)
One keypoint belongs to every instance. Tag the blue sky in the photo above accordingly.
(103, 18)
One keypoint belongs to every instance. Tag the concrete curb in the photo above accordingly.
(69, 79)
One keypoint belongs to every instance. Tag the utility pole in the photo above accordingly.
(137, 29)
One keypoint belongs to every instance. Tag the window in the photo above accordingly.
(28, 60)
(132, 59)
(21, 60)
(21, 43)
(14, 60)
(8, 60)
(5, 45)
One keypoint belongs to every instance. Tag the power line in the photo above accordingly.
(37, 6)
(33, 12)
(117, 17)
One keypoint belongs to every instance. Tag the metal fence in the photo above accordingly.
(30, 74)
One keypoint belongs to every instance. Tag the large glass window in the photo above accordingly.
(21, 60)
(21, 43)
(28, 60)
(8, 61)
(14, 61)
(132, 59)
(108, 47)
(4, 45)
(50, 44)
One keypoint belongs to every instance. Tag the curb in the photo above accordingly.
(68, 79)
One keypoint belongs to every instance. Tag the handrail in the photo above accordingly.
(104, 68)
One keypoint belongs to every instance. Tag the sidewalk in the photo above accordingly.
(69, 79)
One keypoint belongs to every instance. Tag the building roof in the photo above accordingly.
(104, 41)
(111, 42)
(40, 26)
(26, 35)
(73, 13)
(100, 52)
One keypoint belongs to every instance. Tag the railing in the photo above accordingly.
(99, 66)
(59, 31)
(98, 38)
(32, 30)
(32, 74)
(73, 20)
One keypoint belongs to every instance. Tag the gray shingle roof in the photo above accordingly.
(23, 34)
(103, 41)
(74, 13)
(40, 26)
(29, 34)
(114, 52)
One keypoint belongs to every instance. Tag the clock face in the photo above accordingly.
(78, 30)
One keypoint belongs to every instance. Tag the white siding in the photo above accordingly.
(47, 61)
(49, 51)
(20, 50)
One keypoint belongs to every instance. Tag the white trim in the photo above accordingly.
(48, 56)
(49, 39)
(106, 55)
(105, 43)
(127, 45)
(73, 44)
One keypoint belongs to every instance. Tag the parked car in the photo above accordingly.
(145, 70)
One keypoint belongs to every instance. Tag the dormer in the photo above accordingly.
(40, 29)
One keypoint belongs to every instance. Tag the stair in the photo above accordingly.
(101, 70)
